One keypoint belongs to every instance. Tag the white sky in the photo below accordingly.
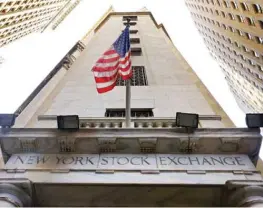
(30, 59)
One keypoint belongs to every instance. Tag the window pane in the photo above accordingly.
(138, 77)
(134, 113)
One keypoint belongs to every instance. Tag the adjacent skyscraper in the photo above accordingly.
(232, 31)
(21, 17)
(62, 14)
(154, 162)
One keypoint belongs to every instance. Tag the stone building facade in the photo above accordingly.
(232, 31)
(152, 163)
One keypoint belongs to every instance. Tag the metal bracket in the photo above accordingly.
(107, 144)
(148, 145)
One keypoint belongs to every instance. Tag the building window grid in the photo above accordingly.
(11, 9)
(250, 62)
(259, 40)
(139, 77)
(250, 21)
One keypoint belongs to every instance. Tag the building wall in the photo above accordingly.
(21, 17)
(232, 31)
(172, 85)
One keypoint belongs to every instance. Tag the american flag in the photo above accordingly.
(114, 62)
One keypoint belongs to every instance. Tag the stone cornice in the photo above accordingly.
(132, 140)
(131, 13)
(132, 133)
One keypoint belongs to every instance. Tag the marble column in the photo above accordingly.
(13, 196)
(248, 196)
(6, 204)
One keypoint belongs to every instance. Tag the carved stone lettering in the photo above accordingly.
(130, 162)
(31, 159)
(239, 161)
(89, 160)
(127, 161)
(182, 161)
(42, 159)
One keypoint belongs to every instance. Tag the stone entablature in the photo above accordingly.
(132, 141)
(236, 183)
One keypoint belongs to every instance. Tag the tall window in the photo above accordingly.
(234, 4)
(132, 18)
(244, 6)
(257, 8)
(133, 31)
(250, 21)
(139, 77)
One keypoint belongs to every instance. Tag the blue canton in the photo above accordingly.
(122, 44)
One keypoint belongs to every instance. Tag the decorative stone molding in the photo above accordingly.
(68, 61)
(230, 144)
(107, 144)
(188, 146)
(28, 144)
(66, 144)
(80, 46)
(174, 140)
(148, 145)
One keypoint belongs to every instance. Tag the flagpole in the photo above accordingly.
(128, 96)
(128, 103)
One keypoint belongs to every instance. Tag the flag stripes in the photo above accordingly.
(115, 62)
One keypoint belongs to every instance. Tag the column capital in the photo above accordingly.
(244, 193)
(14, 195)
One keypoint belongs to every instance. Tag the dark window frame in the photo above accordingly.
(139, 77)
(260, 23)
(136, 51)
(135, 112)
(257, 8)
(132, 18)
(133, 31)
(131, 23)
(134, 40)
